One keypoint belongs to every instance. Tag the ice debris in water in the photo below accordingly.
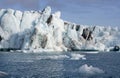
(90, 70)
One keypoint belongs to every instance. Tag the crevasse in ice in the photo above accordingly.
(35, 30)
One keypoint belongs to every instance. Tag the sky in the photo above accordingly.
(86, 12)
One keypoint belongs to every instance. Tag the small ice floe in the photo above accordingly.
(77, 56)
(24, 51)
(90, 70)
(2, 74)
(11, 51)
(19, 51)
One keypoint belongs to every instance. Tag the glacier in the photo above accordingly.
(43, 31)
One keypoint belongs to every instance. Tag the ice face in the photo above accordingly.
(43, 30)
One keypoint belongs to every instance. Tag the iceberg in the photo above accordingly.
(42, 30)
(90, 70)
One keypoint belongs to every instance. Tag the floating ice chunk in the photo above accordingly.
(77, 56)
(90, 70)
(2, 74)
(25, 51)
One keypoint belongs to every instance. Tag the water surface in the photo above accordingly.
(58, 65)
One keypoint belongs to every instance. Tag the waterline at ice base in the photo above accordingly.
(40, 31)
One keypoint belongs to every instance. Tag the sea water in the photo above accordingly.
(60, 65)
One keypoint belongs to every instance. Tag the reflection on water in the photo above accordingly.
(57, 65)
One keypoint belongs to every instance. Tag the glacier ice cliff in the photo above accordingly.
(42, 30)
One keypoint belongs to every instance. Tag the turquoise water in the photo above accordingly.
(57, 65)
